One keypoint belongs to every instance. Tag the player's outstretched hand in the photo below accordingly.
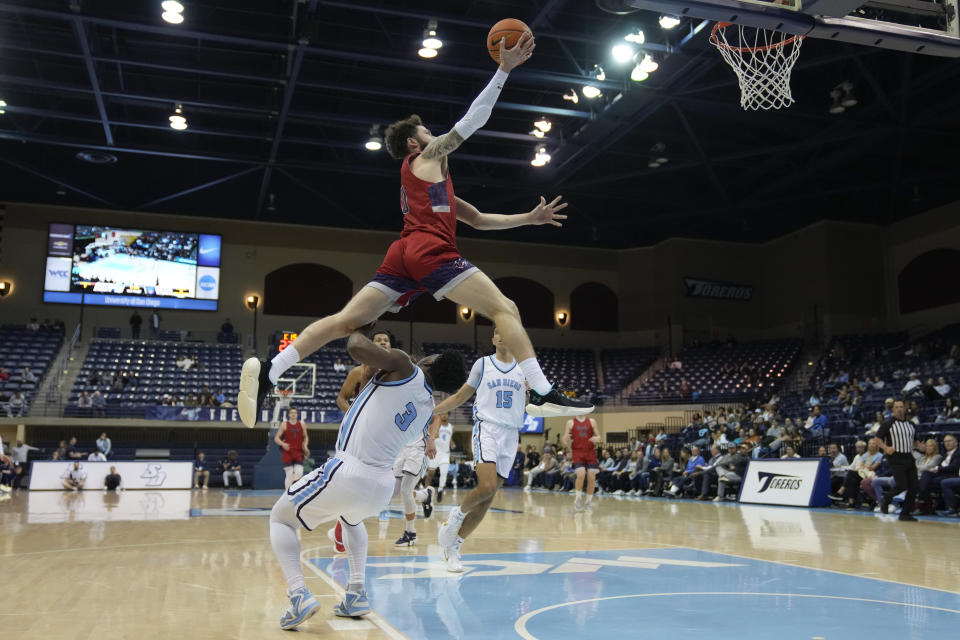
(546, 213)
(431, 449)
(516, 55)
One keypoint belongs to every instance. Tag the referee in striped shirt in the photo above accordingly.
(897, 438)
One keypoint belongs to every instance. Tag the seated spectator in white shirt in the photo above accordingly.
(33, 325)
(338, 366)
(15, 405)
(949, 413)
(97, 456)
(878, 384)
(75, 479)
(183, 362)
(790, 452)
(84, 401)
(814, 399)
(21, 452)
(943, 388)
(28, 376)
(912, 384)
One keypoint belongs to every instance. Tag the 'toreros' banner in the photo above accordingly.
(720, 290)
(796, 482)
(147, 474)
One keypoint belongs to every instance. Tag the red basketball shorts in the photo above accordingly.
(417, 263)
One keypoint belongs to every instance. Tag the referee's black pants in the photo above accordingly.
(904, 469)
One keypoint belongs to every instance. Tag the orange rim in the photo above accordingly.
(722, 45)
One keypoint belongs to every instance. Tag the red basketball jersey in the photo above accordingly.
(427, 207)
(293, 436)
(581, 447)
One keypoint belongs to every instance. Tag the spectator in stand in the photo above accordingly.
(226, 331)
(873, 426)
(948, 490)
(773, 437)
(913, 386)
(942, 387)
(72, 452)
(518, 460)
(684, 387)
(107, 378)
(96, 456)
(635, 478)
(338, 366)
(863, 467)
(878, 384)
(533, 457)
(814, 399)
(888, 408)
(839, 466)
(112, 481)
(231, 469)
(201, 469)
(731, 469)
(694, 461)
(548, 463)
(99, 404)
(4, 376)
(20, 453)
(928, 458)
(708, 472)
(75, 479)
(15, 405)
(217, 399)
(104, 445)
(605, 475)
(663, 474)
(789, 452)
(61, 451)
(155, 324)
(135, 321)
(641, 483)
(620, 482)
(184, 363)
(822, 452)
(949, 467)
(950, 412)
(816, 423)
(28, 376)
(33, 325)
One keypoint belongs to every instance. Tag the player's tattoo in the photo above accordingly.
(442, 145)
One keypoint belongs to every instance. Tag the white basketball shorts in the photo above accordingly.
(410, 460)
(442, 457)
(496, 444)
(343, 486)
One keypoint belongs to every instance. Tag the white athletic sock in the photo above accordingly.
(410, 526)
(281, 362)
(456, 517)
(589, 498)
(579, 494)
(534, 375)
(420, 495)
(285, 543)
(355, 540)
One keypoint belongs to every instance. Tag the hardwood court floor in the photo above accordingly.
(138, 565)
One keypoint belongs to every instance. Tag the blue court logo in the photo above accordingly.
(208, 283)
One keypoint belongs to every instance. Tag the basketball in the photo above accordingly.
(510, 29)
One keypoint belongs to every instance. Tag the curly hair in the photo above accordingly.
(447, 372)
(397, 133)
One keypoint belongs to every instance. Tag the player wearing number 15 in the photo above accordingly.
(394, 409)
(497, 417)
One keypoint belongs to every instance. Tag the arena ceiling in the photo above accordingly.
(280, 97)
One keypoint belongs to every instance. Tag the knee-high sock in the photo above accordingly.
(444, 471)
(285, 543)
(355, 539)
(406, 493)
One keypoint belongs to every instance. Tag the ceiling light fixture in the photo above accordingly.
(599, 73)
(172, 11)
(669, 22)
(536, 133)
(543, 124)
(427, 52)
(572, 96)
(638, 74)
(590, 92)
(648, 64)
(430, 39)
(177, 119)
(622, 53)
(3, 103)
(635, 38)
(541, 158)
(374, 143)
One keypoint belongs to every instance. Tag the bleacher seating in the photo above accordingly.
(20, 347)
(722, 373)
(572, 369)
(622, 366)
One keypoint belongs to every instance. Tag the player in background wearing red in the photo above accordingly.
(582, 437)
(294, 443)
(426, 257)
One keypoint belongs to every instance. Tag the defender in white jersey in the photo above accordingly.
(394, 409)
(442, 459)
(498, 411)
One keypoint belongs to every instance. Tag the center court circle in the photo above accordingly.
(752, 615)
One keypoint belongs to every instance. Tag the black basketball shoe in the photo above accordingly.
(254, 386)
(556, 404)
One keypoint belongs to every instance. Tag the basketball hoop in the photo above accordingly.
(762, 59)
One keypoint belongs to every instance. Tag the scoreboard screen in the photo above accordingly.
(286, 339)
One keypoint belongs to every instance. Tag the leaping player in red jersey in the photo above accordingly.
(426, 257)
(582, 438)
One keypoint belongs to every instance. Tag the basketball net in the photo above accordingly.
(763, 61)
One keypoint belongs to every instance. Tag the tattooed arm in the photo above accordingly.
(442, 146)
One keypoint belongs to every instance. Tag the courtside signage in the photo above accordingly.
(799, 483)
(148, 474)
